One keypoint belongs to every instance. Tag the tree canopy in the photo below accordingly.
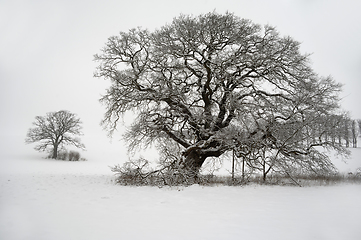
(213, 83)
(54, 130)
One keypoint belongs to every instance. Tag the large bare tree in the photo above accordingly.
(216, 82)
(54, 130)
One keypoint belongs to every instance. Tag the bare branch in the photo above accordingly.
(216, 82)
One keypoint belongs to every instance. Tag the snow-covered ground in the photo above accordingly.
(43, 199)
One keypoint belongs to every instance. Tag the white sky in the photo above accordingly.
(47, 48)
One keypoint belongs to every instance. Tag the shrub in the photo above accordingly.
(139, 173)
(67, 156)
(74, 156)
(63, 155)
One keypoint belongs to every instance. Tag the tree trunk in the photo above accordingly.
(243, 168)
(194, 161)
(55, 152)
(233, 159)
(264, 170)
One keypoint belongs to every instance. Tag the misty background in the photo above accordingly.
(47, 48)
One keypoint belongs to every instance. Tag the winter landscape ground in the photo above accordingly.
(44, 199)
(46, 64)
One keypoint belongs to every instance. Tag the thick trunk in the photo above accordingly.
(194, 161)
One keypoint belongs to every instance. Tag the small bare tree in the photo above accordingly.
(54, 130)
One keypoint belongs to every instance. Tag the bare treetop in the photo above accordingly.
(215, 83)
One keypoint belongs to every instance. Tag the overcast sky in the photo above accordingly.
(47, 48)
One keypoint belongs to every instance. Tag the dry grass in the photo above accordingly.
(282, 180)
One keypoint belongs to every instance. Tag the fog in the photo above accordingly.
(47, 48)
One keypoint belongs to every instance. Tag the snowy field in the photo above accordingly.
(43, 199)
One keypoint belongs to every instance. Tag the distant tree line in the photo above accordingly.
(281, 152)
(341, 129)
